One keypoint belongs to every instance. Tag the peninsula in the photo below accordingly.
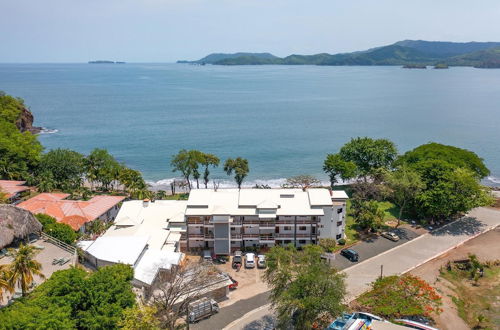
(411, 53)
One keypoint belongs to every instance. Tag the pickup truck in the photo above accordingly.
(203, 308)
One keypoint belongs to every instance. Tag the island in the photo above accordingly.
(106, 62)
(415, 66)
(441, 66)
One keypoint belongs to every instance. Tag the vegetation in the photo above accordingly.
(405, 185)
(240, 168)
(23, 267)
(74, 299)
(407, 52)
(367, 214)
(102, 168)
(301, 181)
(305, 291)
(20, 151)
(327, 244)
(5, 283)
(140, 318)
(61, 231)
(396, 296)
(476, 287)
(188, 163)
(335, 166)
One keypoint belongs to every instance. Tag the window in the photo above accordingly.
(303, 228)
(339, 210)
(339, 236)
(288, 241)
(287, 228)
(233, 229)
(302, 241)
(339, 223)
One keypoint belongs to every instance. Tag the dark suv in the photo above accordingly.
(350, 254)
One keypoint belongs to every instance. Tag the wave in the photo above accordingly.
(45, 130)
(493, 180)
(164, 184)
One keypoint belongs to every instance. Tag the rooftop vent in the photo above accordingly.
(145, 202)
(287, 196)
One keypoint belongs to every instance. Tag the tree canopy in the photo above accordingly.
(238, 166)
(61, 231)
(19, 151)
(305, 290)
(74, 299)
(395, 297)
(64, 167)
(369, 154)
(335, 166)
(454, 156)
(303, 181)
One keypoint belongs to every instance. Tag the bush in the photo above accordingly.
(341, 241)
(61, 231)
(327, 244)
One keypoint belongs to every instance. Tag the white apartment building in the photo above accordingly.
(230, 219)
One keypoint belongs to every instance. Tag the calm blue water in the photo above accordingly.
(284, 119)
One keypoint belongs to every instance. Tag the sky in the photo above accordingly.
(169, 30)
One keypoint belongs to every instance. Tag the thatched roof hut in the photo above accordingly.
(16, 223)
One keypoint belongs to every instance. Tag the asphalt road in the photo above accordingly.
(232, 312)
(372, 247)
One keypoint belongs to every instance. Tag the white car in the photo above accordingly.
(250, 260)
(261, 263)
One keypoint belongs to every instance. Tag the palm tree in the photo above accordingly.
(23, 267)
(4, 281)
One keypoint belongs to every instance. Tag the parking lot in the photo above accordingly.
(374, 246)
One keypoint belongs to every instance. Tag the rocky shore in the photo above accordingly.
(25, 122)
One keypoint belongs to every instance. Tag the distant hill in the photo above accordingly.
(406, 52)
(216, 57)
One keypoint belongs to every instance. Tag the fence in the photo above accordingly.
(61, 244)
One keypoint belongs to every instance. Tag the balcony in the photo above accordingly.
(267, 224)
(251, 222)
(236, 236)
(266, 238)
(208, 236)
(251, 236)
(196, 236)
(195, 221)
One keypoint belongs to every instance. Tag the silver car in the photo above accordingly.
(390, 236)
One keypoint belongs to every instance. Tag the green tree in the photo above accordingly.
(240, 168)
(367, 214)
(335, 166)
(304, 289)
(207, 161)
(456, 157)
(65, 166)
(61, 231)
(405, 185)
(101, 167)
(24, 267)
(456, 193)
(3, 197)
(19, 151)
(140, 318)
(131, 180)
(187, 162)
(369, 154)
(396, 296)
(5, 284)
(74, 299)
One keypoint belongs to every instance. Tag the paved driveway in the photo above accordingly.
(370, 248)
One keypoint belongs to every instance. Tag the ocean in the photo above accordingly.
(283, 119)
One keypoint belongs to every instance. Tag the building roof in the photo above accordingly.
(339, 194)
(261, 202)
(126, 249)
(72, 212)
(11, 187)
(142, 236)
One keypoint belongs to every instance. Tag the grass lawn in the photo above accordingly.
(177, 197)
(477, 304)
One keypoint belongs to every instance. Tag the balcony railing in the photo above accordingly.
(267, 224)
(236, 236)
(196, 236)
(266, 237)
(208, 236)
(195, 222)
(250, 235)
(251, 222)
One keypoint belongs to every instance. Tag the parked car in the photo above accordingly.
(201, 309)
(390, 236)
(261, 263)
(207, 255)
(218, 259)
(250, 260)
(235, 283)
(350, 254)
(237, 259)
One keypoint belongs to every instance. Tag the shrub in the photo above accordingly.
(61, 231)
(327, 244)
(341, 241)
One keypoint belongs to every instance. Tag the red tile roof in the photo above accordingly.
(11, 188)
(71, 212)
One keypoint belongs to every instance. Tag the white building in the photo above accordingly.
(146, 236)
(230, 219)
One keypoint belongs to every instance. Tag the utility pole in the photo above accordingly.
(381, 271)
